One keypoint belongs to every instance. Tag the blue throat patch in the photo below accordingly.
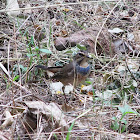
(82, 70)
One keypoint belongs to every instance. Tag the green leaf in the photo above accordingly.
(124, 121)
(127, 109)
(81, 47)
(123, 125)
(69, 51)
(21, 67)
(55, 136)
(123, 128)
(30, 55)
(88, 82)
(46, 51)
(68, 134)
(37, 48)
(115, 126)
(15, 78)
(114, 118)
(32, 40)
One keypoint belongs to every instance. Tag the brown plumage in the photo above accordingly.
(73, 73)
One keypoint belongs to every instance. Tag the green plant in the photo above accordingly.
(120, 125)
(70, 128)
(16, 71)
(55, 136)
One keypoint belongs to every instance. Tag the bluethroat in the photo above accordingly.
(73, 73)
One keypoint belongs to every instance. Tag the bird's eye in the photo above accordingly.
(81, 54)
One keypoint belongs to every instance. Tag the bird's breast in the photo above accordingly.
(83, 71)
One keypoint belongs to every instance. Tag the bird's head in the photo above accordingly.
(81, 56)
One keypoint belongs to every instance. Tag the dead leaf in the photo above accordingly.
(39, 34)
(137, 36)
(56, 88)
(64, 33)
(134, 136)
(87, 89)
(115, 30)
(66, 10)
(87, 38)
(12, 5)
(8, 120)
(68, 89)
(58, 22)
(28, 10)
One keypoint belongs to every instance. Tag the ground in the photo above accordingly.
(106, 106)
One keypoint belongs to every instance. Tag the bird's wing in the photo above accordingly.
(52, 69)
(55, 69)
(67, 70)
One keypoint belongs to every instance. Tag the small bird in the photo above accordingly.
(73, 73)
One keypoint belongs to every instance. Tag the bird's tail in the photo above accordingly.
(42, 67)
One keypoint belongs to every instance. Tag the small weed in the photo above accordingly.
(120, 125)
(70, 128)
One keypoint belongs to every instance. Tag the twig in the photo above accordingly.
(103, 26)
(70, 122)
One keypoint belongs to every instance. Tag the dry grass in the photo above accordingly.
(115, 84)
